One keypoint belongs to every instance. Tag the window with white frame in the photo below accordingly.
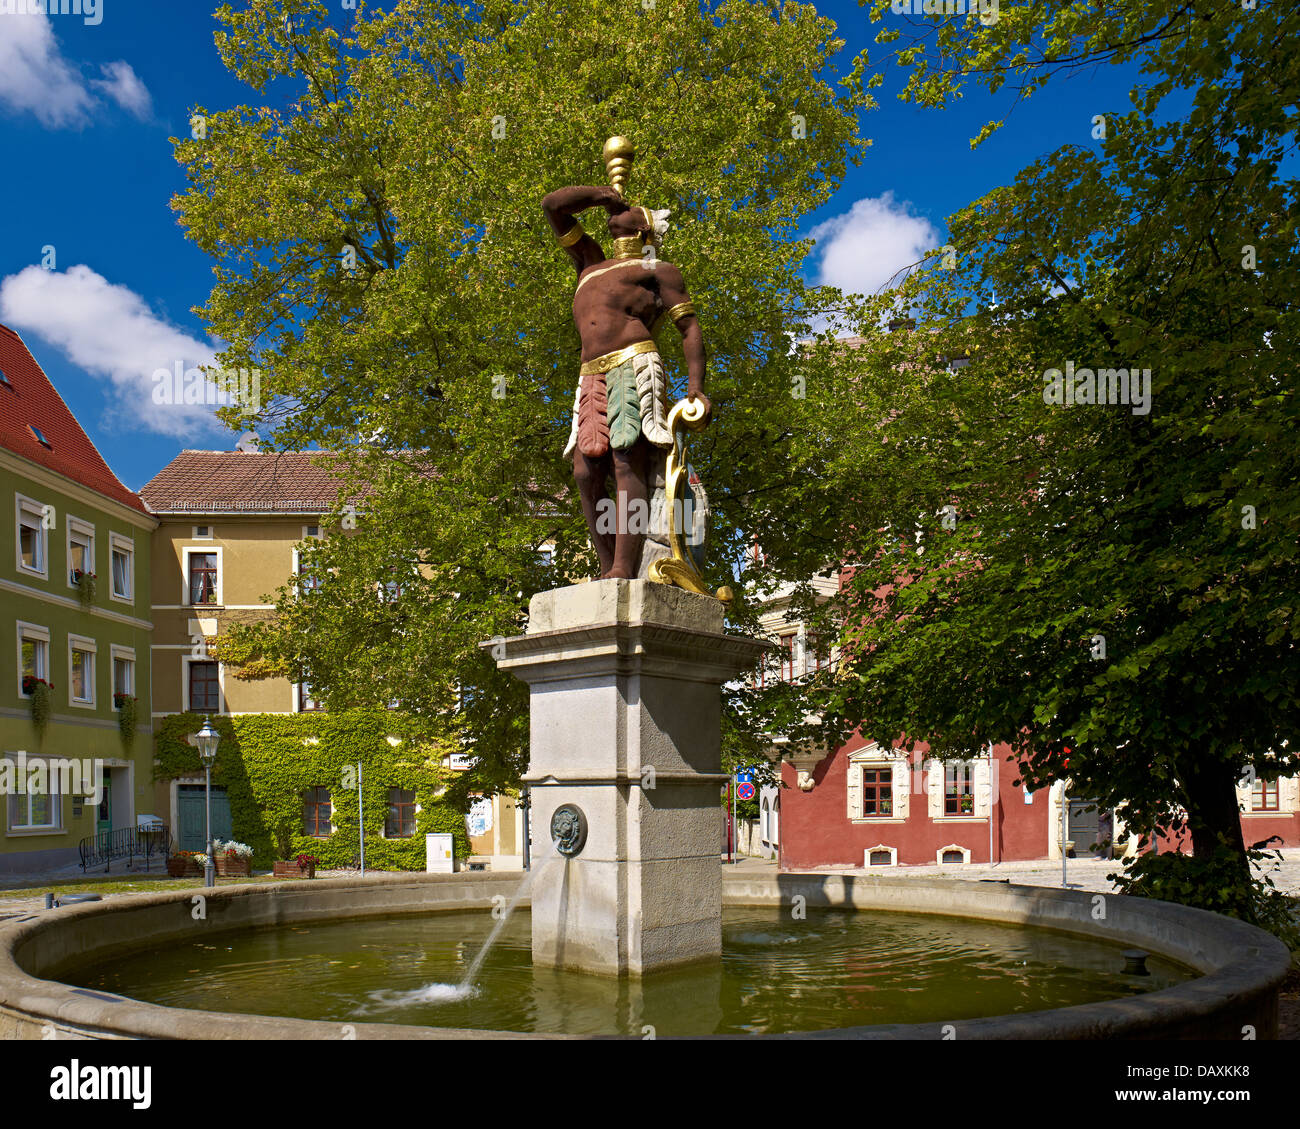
(122, 567)
(201, 577)
(37, 811)
(81, 670)
(81, 550)
(33, 541)
(33, 657)
(959, 788)
(123, 675)
(308, 582)
(307, 701)
(202, 686)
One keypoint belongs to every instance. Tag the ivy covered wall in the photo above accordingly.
(267, 761)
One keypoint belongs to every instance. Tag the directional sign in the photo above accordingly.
(744, 790)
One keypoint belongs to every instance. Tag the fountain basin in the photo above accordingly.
(1240, 966)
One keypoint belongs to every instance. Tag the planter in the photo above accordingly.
(232, 866)
(291, 869)
(184, 868)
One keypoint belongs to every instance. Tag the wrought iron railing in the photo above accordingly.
(150, 842)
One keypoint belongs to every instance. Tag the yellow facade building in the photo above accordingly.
(230, 527)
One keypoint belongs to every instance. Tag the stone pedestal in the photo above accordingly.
(625, 679)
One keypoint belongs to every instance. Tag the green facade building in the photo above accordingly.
(75, 630)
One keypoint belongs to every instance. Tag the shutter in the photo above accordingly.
(1288, 793)
(1244, 796)
(934, 787)
(902, 788)
(983, 789)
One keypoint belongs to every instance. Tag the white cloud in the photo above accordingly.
(36, 78)
(123, 85)
(870, 244)
(110, 331)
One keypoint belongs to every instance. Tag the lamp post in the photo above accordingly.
(207, 739)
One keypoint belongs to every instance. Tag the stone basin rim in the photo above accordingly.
(1241, 965)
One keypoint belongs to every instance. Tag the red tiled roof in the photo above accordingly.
(244, 482)
(29, 400)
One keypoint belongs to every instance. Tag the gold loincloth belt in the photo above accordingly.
(607, 361)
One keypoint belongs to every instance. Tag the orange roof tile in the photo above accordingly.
(29, 401)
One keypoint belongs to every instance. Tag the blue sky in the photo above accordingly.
(86, 111)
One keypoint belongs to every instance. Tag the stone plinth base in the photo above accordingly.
(625, 679)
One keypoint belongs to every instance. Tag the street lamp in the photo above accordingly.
(207, 739)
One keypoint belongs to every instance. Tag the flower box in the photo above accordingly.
(291, 869)
(184, 866)
(234, 866)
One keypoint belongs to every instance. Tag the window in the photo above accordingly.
(4, 379)
(81, 550)
(317, 811)
(877, 791)
(39, 436)
(309, 531)
(545, 557)
(390, 591)
(881, 857)
(33, 657)
(819, 653)
(1265, 796)
(307, 582)
(203, 533)
(122, 562)
(32, 541)
(203, 578)
(958, 789)
(787, 652)
(400, 823)
(123, 675)
(38, 811)
(306, 703)
(81, 671)
(204, 687)
(953, 855)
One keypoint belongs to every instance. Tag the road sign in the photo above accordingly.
(744, 776)
(745, 790)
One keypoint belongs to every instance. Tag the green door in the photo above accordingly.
(190, 816)
(104, 816)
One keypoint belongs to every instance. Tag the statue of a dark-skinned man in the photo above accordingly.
(621, 406)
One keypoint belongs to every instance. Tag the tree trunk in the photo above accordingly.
(1213, 817)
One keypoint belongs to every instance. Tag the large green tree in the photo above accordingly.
(374, 221)
(1112, 587)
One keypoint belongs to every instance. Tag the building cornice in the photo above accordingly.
(75, 605)
(53, 480)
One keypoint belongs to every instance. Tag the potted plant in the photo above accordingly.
(967, 804)
(85, 585)
(39, 691)
(125, 706)
(886, 807)
(232, 859)
(185, 864)
(304, 866)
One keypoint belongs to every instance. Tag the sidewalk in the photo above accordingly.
(1081, 874)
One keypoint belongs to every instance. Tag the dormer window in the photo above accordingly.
(5, 380)
(40, 436)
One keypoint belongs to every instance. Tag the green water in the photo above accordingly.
(776, 975)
